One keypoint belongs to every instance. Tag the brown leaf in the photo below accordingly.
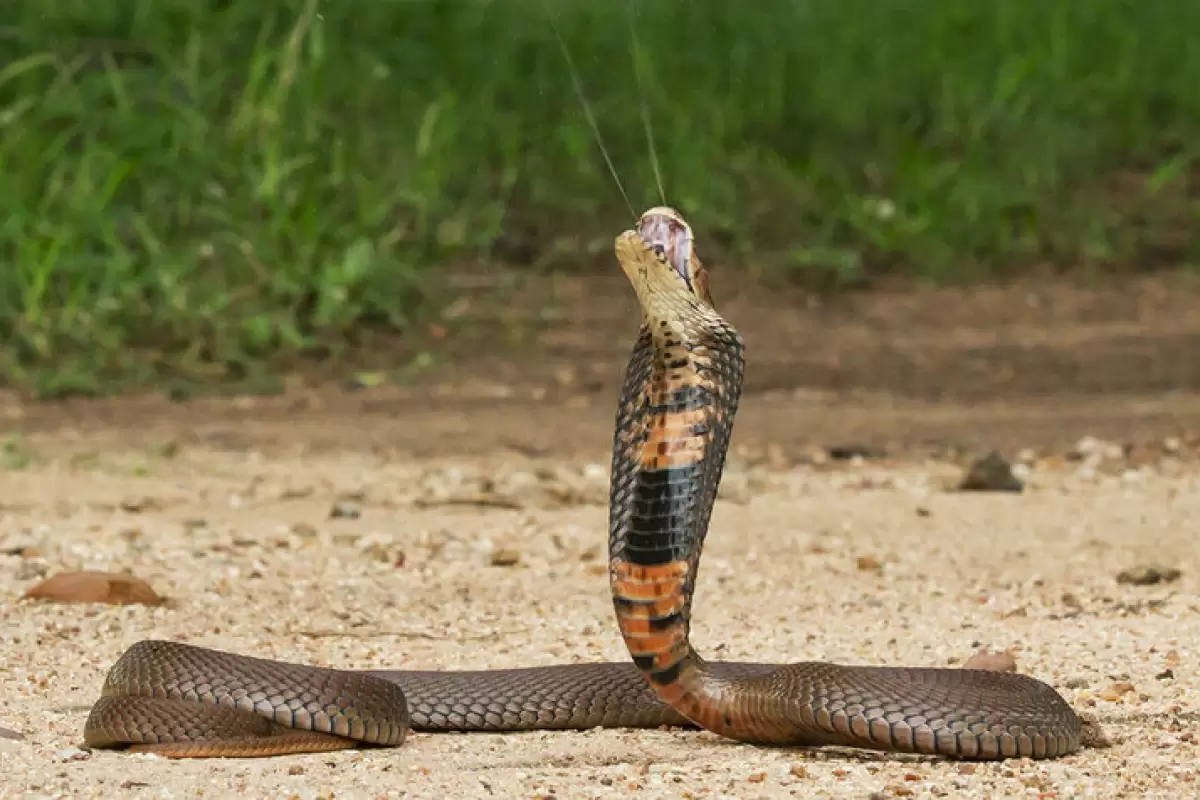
(95, 587)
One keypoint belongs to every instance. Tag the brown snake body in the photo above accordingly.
(678, 401)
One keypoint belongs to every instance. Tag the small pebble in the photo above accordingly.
(304, 530)
(1148, 575)
(345, 509)
(72, 754)
(868, 564)
(991, 473)
(1116, 691)
(505, 557)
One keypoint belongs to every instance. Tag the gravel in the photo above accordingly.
(861, 564)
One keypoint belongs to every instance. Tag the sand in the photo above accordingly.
(223, 505)
(862, 563)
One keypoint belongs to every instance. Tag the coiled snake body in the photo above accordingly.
(677, 406)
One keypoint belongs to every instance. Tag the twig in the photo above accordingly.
(313, 634)
(477, 500)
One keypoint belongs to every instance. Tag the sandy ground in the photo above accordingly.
(224, 505)
(863, 563)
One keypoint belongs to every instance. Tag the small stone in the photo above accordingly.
(992, 662)
(345, 509)
(72, 754)
(852, 452)
(296, 769)
(1148, 575)
(1087, 446)
(991, 474)
(868, 564)
(1116, 691)
(505, 557)
(304, 530)
(378, 551)
(136, 505)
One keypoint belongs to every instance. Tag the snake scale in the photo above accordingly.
(678, 401)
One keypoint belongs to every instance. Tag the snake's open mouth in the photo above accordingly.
(665, 231)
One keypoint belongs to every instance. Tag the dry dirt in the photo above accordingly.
(475, 526)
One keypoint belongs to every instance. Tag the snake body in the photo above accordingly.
(678, 401)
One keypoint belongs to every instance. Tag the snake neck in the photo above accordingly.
(679, 399)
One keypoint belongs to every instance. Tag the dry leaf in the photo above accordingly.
(95, 587)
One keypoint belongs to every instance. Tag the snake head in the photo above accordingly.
(668, 237)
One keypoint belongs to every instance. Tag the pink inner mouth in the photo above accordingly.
(669, 238)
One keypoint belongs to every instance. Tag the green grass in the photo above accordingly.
(198, 189)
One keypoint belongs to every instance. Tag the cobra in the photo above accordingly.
(678, 401)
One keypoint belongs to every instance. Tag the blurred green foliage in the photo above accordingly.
(199, 187)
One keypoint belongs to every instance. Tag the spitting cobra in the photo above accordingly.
(678, 400)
